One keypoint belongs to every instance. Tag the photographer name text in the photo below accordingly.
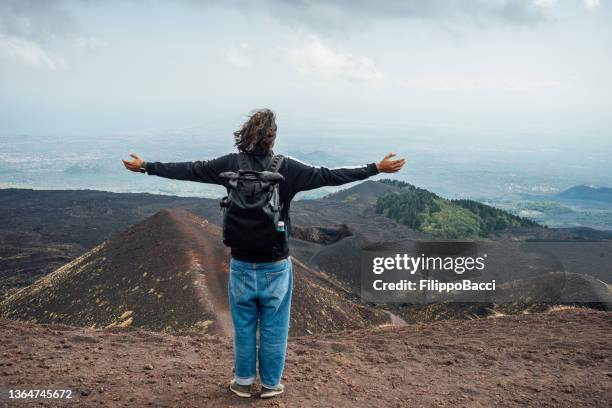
(434, 285)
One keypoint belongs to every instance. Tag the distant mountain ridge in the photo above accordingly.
(602, 194)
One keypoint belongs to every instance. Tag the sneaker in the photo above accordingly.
(271, 392)
(243, 391)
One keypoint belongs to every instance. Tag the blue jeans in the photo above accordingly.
(260, 293)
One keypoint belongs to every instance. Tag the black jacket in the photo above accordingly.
(298, 177)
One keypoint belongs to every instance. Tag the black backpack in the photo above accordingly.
(251, 210)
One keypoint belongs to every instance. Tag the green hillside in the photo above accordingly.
(424, 211)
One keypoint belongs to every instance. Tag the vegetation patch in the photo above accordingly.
(425, 211)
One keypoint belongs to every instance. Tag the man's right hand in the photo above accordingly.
(133, 165)
(386, 165)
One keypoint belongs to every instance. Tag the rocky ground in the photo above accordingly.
(557, 359)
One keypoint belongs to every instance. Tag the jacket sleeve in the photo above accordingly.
(306, 177)
(201, 171)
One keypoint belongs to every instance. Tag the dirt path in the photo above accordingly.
(560, 359)
(211, 284)
(395, 319)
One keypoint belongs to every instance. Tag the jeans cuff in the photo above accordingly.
(244, 381)
(271, 387)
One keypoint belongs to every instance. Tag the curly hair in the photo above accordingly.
(257, 133)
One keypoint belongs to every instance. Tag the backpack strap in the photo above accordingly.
(277, 161)
(243, 162)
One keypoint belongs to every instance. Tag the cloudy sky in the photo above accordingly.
(104, 67)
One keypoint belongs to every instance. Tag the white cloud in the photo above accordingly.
(90, 43)
(328, 15)
(315, 58)
(466, 84)
(592, 4)
(28, 52)
(238, 56)
(545, 4)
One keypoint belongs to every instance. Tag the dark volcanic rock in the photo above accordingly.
(321, 235)
(41, 230)
(556, 288)
(170, 273)
(152, 275)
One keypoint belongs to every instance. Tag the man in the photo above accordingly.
(260, 282)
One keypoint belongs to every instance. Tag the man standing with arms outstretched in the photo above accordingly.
(260, 281)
